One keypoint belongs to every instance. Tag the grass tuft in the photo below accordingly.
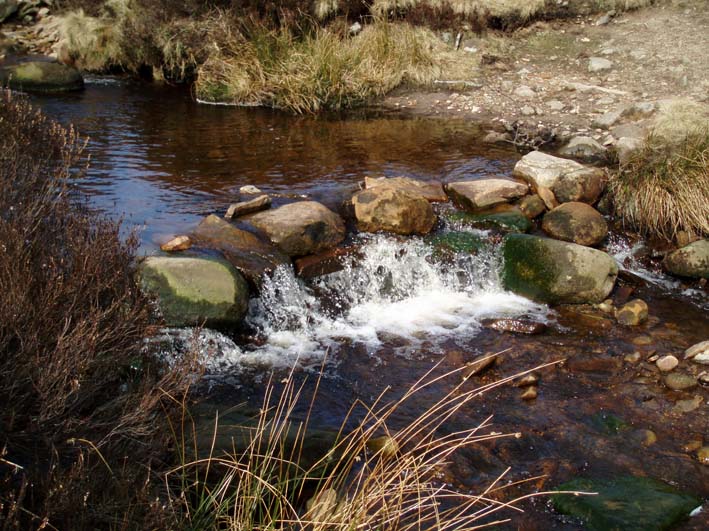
(323, 70)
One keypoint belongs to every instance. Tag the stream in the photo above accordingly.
(162, 162)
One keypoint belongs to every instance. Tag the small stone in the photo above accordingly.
(179, 243)
(527, 380)
(555, 105)
(606, 306)
(607, 120)
(667, 363)
(625, 147)
(703, 378)
(479, 365)
(584, 148)
(643, 341)
(687, 406)
(703, 455)
(696, 350)
(692, 446)
(248, 207)
(530, 393)
(495, 137)
(532, 206)
(249, 189)
(649, 438)
(517, 326)
(523, 91)
(679, 381)
(355, 28)
(599, 64)
(386, 445)
(632, 313)
(528, 110)
(635, 357)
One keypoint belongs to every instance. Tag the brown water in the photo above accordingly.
(164, 162)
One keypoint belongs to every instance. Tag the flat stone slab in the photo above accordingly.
(567, 179)
(432, 191)
(485, 193)
(302, 228)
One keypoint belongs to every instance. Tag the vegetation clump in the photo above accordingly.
(83, 401)
(664, 187)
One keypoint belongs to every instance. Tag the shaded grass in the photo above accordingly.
(371, 477)
(322, 69)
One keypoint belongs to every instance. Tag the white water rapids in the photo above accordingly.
(394, 291)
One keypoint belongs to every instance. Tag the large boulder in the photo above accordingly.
(432, 191)
(567, 179)
(301, 228)
(393, 210)
(552, 271)
(244, 250)
(485, 193)
(196, 291)
(39, 76)
(576, 222)
(690, 261)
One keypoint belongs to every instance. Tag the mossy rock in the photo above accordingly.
(193, 291)
(509, 221)
(608, 424)
(39, 76)
(457, 242)
(625, 503)
(555, 272)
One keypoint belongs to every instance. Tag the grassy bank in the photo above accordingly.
(296, 54)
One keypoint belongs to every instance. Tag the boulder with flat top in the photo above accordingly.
(486, 193)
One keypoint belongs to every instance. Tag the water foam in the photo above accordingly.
(396, 293)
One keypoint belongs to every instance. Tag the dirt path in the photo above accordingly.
(539, 76)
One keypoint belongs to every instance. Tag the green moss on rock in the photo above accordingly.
(625, 503)
(192, 291)
(457, 242)
(39, 76)
(509, 221)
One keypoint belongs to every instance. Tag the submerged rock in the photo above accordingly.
(626, 502)
(330, 261)
(567, 179)
(301, 228)
(432, 191)
(517, 326)
(40, 76)
(552, 271)
(485, 193)
(388, 209)
(196, 291)
(575, 222)
(679, 381)
(632, 313)
(511, 220)
(689, 261)
(457, 242)
(699, 349)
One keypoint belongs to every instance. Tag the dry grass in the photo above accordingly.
(322, 69)
(371, 478)
(664, 187)
(490, 8)
(78, 389)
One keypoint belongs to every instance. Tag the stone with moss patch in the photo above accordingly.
(625, 503)
(690, 261)
(457, 242)
(193, 291)
(555, 272)
(38, 76)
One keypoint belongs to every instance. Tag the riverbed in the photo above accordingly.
(162, 162)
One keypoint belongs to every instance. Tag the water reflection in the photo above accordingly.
(164, 161)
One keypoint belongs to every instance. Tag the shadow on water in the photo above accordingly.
(164, 162)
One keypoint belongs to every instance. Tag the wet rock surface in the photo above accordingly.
(301, 228)
(432, 191)
(485, 193)
(41, 76)
(193, 291)
(689, 261)
(576, 222)
(393, 210)
(556, 272)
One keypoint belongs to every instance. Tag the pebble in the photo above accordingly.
(530, 393)
(477, 366)
(632, 313)
(527, 111)
(249, 189)
(679, 381)
(606, 306)
(686, 406)
(633, 358)
(179, 243)
(703, 455)
(527, 380)
(523, 91)
(667, 363)
(692, 446)
(599, 64)
(696, 350)
(555, 105)
(643, 341)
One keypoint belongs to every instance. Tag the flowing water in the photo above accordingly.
(163, 162)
